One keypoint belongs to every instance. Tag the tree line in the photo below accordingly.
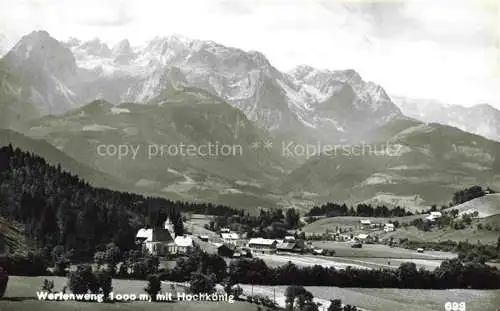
(453, 273)
(331, 209)
(362, 210)
(468, 194)
(298, 298)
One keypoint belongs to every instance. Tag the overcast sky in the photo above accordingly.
(437, 49)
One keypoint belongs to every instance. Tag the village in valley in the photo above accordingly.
(341, 242)
(330, 256)
(333, 247)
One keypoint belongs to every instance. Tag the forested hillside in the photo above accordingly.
(58, 208)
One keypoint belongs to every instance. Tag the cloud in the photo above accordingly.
(115, 16)
(387, 19)
(238, 7)
(455, 22)
(427, 69)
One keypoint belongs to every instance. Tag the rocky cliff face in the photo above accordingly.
(47, 71)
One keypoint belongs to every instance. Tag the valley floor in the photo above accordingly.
(274, 260)
(370, 256)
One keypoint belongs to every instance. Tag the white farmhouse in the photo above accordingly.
(436, 214)
(183, 244)
(433, 216)
(230, 238)
(362, 237)
(389, 227)
(365, 222)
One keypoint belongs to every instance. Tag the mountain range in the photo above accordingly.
(81, 96)
(480, 119)
(317, 104)
(420, 164)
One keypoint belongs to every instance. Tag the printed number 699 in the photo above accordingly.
(454, 306)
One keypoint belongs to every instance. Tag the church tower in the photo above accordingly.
(170, 227)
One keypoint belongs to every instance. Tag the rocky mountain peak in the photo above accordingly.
(38, 50)
(122, 47)
(123, 52)
(301, 71)
(350, 76)
(259, 59)
(96, 47)
(72, 42)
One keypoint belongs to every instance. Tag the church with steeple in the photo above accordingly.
(158, 241)
(162, 241)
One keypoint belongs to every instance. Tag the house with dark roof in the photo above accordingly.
(297, 246)
(226, 250)
(262, 245)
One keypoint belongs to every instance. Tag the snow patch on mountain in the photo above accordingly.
(475, 166)
(116, 110)
(410, 167)
(378, 178)
(97, 128)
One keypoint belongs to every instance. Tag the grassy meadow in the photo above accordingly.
(21, 296)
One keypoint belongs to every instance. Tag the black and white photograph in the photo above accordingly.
(250, 155)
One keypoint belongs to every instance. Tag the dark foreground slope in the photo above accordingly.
(55, 157)
(58, 208)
